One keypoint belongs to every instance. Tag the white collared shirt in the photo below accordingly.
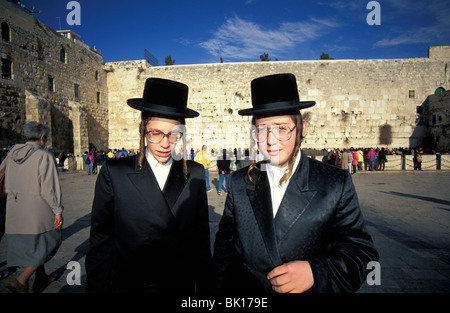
(274, 175)
(161, 170)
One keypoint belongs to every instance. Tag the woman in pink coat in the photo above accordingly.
(355, 160)
(371, 156)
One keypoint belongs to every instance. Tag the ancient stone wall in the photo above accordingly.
(439, 52)
(360, 103)
(57, 70)
(436, 117)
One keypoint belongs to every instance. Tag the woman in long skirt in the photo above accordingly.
(33, 208)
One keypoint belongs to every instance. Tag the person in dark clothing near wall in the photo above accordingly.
(223, 166)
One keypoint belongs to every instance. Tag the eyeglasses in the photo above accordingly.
(282, 133)
(156, 136)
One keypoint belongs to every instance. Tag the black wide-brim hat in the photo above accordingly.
(275, 94)
(164, 98)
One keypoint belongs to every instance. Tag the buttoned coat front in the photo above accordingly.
(319, 220)
(143, 239)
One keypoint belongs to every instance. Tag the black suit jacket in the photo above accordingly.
(319, 220)
(143, 239)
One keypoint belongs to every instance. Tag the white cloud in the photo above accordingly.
(435, 14)
(415, 36)
(244, 40)
(355, 5)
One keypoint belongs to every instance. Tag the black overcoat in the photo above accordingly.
(143, 239)
(319, 220)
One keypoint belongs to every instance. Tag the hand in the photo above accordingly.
(58, 221)
(292, 277)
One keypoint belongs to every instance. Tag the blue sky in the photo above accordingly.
(193, 31)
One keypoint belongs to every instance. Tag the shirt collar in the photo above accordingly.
(272, 169)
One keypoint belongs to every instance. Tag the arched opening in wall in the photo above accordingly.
(7, 68)
(63, 55)
(62, 131)
(92, 147)
(98, 134)
(6, 32)
(439, 90)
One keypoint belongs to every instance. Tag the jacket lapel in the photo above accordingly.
(296, 200)
(145, 182)
(262, 209)
(166, 200)
(174, 185)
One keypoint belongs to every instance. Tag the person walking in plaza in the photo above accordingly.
(33, 208)
(223, 166)
(346, 161)
(90, 163)
(149, 223)
(418, 158)
(337, 157)
(238, 156)
(360, 157)
(99, 160)
(371, 157)
(354, 160)
(204, 159)
(110, 154)
(291, 223)
(382, 159)
(85, 163)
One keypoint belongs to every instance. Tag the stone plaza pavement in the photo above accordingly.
(407, 214)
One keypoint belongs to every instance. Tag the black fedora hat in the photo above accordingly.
(275, 94)
(165, 98)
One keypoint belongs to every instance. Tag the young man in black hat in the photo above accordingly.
(149, 223)
(290, 223)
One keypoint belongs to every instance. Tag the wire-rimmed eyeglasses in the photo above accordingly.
(281, 132)
(156, 136)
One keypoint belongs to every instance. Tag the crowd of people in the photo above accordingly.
(94, 160)
(369, 159)
(355, 160)
(228, 160)
(351, 159)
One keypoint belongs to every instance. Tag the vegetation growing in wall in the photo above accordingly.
(140, 71)
(326, 56)
(168, 60)
(264, 57)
